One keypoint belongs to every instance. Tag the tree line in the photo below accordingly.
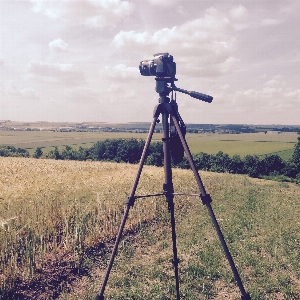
(130, 151)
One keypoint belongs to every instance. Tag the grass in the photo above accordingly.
(241, 148)
(44, 139)
(242, 144)
(260, 223)
(53, 208)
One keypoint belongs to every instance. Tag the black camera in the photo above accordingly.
(161, 66)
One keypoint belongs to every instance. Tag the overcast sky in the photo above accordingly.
(77, 61)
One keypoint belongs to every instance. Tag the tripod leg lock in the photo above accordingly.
(206, 199)
(168, 188)
(130, 201)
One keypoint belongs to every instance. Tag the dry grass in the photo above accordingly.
(50, 209)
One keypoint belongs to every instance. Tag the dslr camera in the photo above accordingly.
(162, 65)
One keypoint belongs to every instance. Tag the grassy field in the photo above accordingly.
(45, 139)
(64, 214)
(241, 144)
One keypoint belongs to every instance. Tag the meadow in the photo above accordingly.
(259, 143)
(59, 218)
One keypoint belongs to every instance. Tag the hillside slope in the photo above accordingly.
(68, 212)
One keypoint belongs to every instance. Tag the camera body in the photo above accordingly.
(162, 65)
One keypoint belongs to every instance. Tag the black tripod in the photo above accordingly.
(168, 109)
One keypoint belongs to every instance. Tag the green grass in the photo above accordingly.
(45, 139)
(260, 223)
(284, 154)
(52, 210)
(241, 148)
(242, 144)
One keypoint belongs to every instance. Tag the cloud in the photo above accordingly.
(26, 93)
(238, 12)
(83, 95)
(274, 94)
(1, 61)
(121, 72)
(29, 93)
(66, 74)
(270, 22)
(12, 90)
(90, 13)
(204, 46)
(164, 3)
(58, 45)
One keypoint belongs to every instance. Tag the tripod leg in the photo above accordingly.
(206, 201)
(129, 203)
(169, 193)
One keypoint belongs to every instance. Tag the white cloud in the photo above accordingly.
(238, 12)
(83, 94)
(58, 45)
(54, 72)
(91, 13)
(204, 46)
(26, 93)
(12, 90)
(164, 3)
(270, 22)
(1, 61)
(29, 93)
(115, 88)
(121, 72)
(274, 91)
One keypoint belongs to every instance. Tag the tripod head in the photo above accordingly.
(164, 68)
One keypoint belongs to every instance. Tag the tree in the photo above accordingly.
(69, 154)
(54, 154)
(236, 165)
(252, 165)
(296, 154)
(155, 159)
(220, 162)
(83, 153)
(202, 161)
(272, 164)
(13, 151)
(38, 153)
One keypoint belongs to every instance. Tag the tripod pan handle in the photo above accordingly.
(201, 96)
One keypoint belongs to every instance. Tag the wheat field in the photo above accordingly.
(52, 208)
(48, 207)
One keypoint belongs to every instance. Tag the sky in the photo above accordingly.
(77, 60)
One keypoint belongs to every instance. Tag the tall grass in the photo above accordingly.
(260, 221)
(49, 208)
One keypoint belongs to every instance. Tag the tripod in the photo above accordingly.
(168, 110)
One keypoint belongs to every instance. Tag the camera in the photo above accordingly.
(162, 65)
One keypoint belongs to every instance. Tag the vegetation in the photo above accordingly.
(242, 144)
(130, 150)
(13, 151)
(64, 211)
(296, 155)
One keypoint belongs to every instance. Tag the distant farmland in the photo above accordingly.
(242, 144)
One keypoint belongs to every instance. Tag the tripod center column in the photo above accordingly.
(168, 186)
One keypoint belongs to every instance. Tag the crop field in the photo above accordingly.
(62, 216)
(242, 144)
(33, 139)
